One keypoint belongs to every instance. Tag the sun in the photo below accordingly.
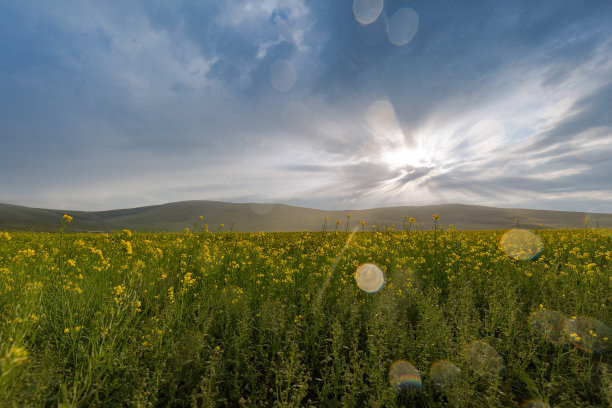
(399, 158)
(394, 147)
(398, 155)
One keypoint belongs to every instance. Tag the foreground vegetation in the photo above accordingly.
(278, 319)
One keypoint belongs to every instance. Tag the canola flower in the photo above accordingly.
(219, 310)
(127, 245)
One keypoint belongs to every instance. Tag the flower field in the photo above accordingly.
(335, 319)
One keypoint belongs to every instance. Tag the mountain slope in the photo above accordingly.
(279, 217)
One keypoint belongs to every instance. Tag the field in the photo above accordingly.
(295, 319)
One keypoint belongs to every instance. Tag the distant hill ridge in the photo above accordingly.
(254, 217)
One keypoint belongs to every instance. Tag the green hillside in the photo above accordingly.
(253, 217)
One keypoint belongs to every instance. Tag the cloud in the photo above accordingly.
(162, 101)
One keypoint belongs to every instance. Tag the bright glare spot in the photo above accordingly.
(404, 377)
(444, 373)
(228, 295)
(381, 117)
(261, 209)
(592, 222)
(534, 403)
(384, 125)
(367, 11)
(589, 334)
(521, 244)
(272, 316)
(402, 26)
(397, 158)
(484, 359)
(282, 75)
(370, 278)
(550, 325)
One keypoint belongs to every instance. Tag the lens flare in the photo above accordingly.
(370, 278)
(589, 220)
(381, 117)
(404, 377)
(549, 324)
(282, 75)
(229, 296)
(444, 373)
(367, 11)
(261, 209)
(592, 221)
(589, 334)
(534, 403)
(272, 316)
(484, 359)
(402, 26)
(521, 244)
(332, 268)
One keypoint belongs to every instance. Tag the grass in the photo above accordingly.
(277, 319)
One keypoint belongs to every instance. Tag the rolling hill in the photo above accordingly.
(279, 217)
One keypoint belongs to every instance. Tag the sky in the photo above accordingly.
(324, 104)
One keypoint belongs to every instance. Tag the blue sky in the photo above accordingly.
(326, 104)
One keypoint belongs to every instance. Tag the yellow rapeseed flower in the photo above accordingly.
(128, 247)
(171, 294)
(67, 218)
